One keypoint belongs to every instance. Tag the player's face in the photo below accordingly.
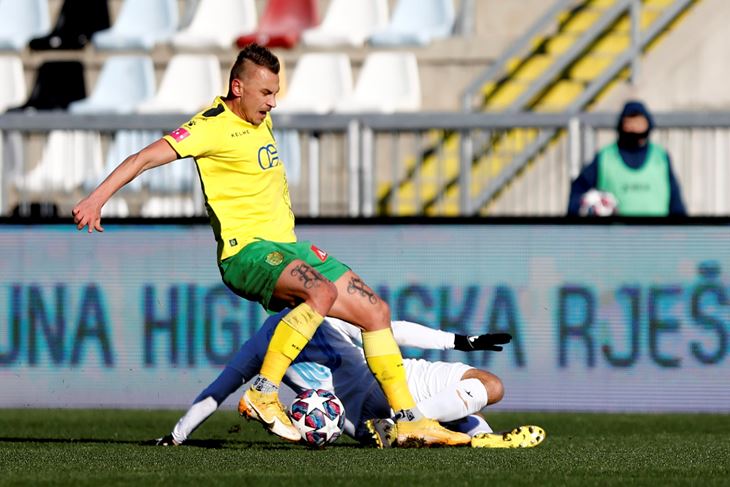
(637, 124)
(258, 88)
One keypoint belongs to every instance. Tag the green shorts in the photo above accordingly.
(252, 273)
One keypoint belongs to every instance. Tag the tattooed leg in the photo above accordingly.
(357, 286)
(307, 276)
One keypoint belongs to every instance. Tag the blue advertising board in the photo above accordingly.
(604, 318)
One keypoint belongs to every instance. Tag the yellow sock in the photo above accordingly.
(291, 335)
(386, 363)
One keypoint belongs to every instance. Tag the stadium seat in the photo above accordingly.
(22, 20)
(168, 206)
(282, 23)
(116, 207)
(78, 21)
(57, 84)
(290, 151)
(319, 81)
(417, 22)
(190, 82)
(388, 82)
(176, 177)
(35, 209)
(348, 22)
(124, 143)
(124, 82)
(140, 25)
(12, 82)
(68, 158)
(209, 29)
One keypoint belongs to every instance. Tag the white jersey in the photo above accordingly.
(332, 361)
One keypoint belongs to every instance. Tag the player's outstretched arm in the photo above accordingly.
(409, 334)
(406, 334)
(244, 365)
(87, 213)
(487, 341)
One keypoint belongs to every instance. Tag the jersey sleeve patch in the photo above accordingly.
(180, 134)
(321, 254)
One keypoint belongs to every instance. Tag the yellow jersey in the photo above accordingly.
(242, 176)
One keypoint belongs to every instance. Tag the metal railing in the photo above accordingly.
(549, 22)
(343, 161)
(520, 47)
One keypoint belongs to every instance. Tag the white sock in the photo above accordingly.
(198, 412)
(456, 401)
(473, 424)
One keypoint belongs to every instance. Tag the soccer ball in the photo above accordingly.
(319, 416)
(597, 203)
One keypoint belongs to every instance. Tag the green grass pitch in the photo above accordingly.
(107, 447)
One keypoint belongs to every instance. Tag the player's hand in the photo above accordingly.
(488, 341)
(88, 213)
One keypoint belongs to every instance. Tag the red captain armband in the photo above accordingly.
(179, 134)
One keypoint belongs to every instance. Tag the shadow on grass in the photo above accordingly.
(206, 444)
(66, 440)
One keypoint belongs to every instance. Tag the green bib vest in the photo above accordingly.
(640, 192)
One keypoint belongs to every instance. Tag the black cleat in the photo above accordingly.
(382, 431)
(165, 441)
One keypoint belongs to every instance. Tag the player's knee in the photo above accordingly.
(381, 314)
(492, 384)
(495, 389)
(324, 297)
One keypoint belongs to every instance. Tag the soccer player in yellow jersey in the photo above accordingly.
(247, 200)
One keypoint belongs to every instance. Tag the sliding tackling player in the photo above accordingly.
(453, 393)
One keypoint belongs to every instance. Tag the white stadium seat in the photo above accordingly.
(115, 207)
(417, 22)
(388, 82)
(125, 143)
(290, 151)
(348, 22)
(190, 82)
(209, 28)
(13, 91)
(319, 81)
(123, 83)
(21, 21)
(140, 25)
(69, 157)
(176, 177)
(168, 206)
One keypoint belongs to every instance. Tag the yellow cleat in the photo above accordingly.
(268, 410)
(427, 432)
(520, 437)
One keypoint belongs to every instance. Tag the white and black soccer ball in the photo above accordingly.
(598, 203)
(319, 416)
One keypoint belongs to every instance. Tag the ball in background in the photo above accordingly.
(598, 203)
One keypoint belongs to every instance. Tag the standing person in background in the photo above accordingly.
(247, 199)
(634, 171)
